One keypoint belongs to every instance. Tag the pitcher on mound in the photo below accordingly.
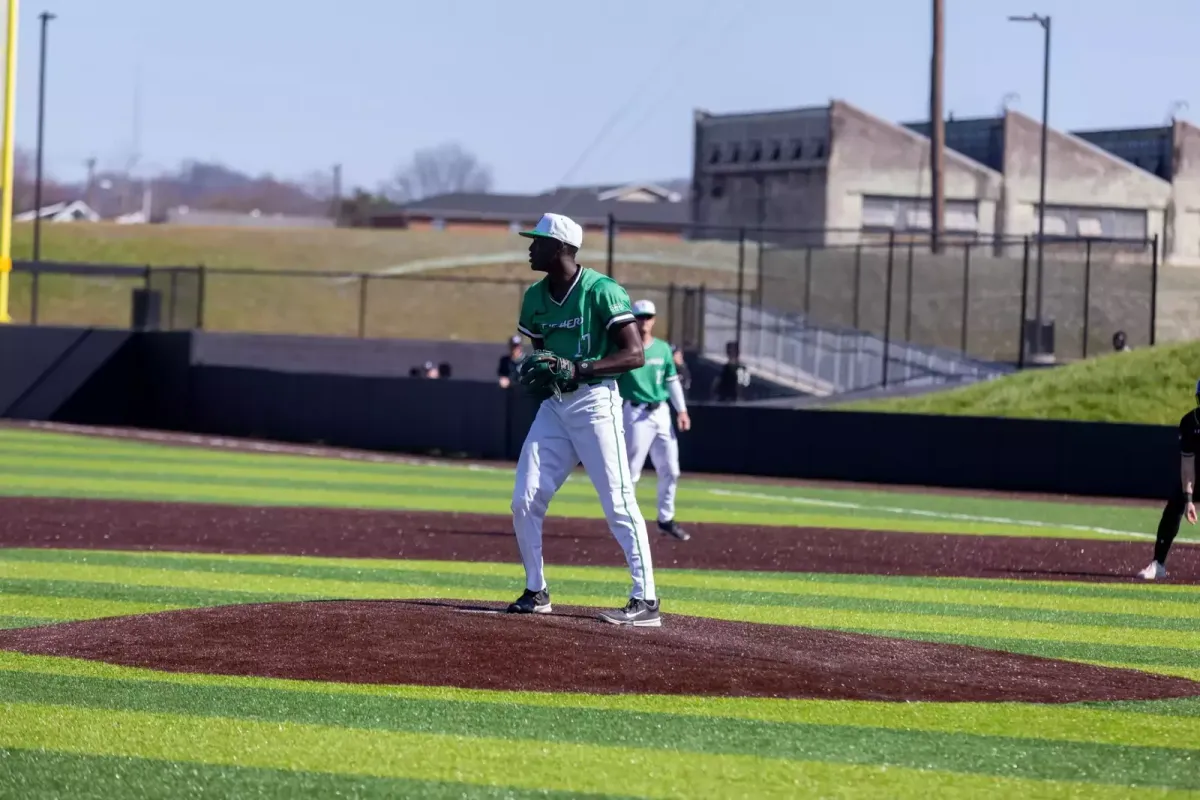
(583, 333)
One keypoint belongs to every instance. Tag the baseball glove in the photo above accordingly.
(544, 372)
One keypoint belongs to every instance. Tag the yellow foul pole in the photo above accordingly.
(6, 163)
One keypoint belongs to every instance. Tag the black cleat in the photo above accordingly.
(531, 603)
(637, 612)
(671, 528)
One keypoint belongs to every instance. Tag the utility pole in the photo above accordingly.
(937, 127)
(1041, 242)
(336, 209)
(45, 17)
(91, 180)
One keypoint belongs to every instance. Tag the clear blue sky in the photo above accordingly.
(289, 86)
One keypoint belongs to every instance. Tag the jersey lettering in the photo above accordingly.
(579, 326)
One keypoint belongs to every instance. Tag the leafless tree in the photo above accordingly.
(439, 170)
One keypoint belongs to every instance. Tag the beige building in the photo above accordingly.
(842, 173)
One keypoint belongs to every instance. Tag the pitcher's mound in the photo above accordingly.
(448, 643)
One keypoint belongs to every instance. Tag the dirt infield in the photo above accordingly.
(444, 643)
(121, 525)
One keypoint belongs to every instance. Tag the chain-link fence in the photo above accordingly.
(980, 298)
(977, 298)
(434, 307)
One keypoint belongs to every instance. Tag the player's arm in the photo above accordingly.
(613, 308)
(675, 395)
(627, 356)
(527, 327)
(1187, 469)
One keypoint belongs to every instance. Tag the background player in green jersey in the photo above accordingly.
(583, 334)
(648, 429)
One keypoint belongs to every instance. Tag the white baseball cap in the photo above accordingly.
(556, 226)
(644, 308)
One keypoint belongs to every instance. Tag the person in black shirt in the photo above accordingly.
(1180, 505)
(507, 370)
(733, 378)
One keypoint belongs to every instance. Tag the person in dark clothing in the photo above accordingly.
(1180, 505)
(444, 369)
(685, 374)
(507, 369)
(734, 377)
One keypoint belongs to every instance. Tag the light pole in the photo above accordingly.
(45, 17)
(1045, 23)
(6, 157)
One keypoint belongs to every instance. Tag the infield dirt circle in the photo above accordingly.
(476, 646)
(444, 643)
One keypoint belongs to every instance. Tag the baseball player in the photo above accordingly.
(648, 429)
(581, 327)
(1180, 505)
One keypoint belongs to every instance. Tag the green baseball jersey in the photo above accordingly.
(578, 327)
(648, 383)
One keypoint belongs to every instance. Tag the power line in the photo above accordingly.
(729, 30)
(615, 118)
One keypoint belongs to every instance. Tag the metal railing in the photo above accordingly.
(822, 360)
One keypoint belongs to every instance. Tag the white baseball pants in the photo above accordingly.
(584, 426)
(651, 433)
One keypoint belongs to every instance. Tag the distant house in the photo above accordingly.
(76, 211)
(636, 208)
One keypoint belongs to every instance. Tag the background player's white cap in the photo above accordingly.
(644, 308)
(556, 226)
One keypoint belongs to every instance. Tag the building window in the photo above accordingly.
(879, 212)
(818, 149)
(776, 151)
(797, 150)
(718, 190)
(1054, 225)
(714, 155)
(736, 155)
(1107, 223)
(912, 214)
(755, 152)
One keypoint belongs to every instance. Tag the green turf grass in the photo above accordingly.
(86, 729)
(34, 463)
(1154, 386)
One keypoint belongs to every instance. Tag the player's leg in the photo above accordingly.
(639, 433)
(597, 429)
(546, 460)
(665, 453)
(1168, 529)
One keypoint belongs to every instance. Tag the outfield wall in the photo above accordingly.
(153, 380)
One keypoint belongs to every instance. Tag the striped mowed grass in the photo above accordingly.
(81, 729)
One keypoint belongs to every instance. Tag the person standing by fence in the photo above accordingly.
(506, 370)
(734, 376)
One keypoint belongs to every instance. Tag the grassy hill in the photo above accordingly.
(1153, 385)
(475, 302)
